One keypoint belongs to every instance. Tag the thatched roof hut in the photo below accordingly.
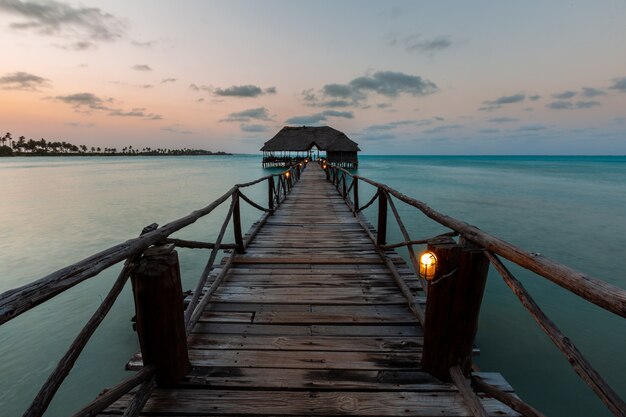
(303, 140)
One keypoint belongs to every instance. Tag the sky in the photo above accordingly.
(398, 77)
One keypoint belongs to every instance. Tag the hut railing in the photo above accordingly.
(19, 300)
(603, 294)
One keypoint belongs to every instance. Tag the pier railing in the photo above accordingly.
(447, 301)
(149, 255)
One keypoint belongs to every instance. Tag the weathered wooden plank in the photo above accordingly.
(319, 403)
(306, 260)
(318, 379)
(318, 330)
(303, 359)
(318, 343)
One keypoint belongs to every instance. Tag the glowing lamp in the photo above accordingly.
(324, 167)
(287, 174)
(428, 265)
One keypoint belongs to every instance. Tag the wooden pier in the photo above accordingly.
(309, 321)
(312, 312)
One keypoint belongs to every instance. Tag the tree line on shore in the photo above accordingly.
(22, 147)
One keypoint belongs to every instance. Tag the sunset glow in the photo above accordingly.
(398, 77)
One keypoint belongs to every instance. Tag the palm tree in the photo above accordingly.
(6, 137)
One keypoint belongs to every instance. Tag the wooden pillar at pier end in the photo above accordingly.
(454, 298)
(160, 317)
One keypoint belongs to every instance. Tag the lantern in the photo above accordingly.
(428, 265)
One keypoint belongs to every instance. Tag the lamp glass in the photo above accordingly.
(428, 265)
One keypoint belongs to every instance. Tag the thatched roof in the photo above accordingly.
(303, 138)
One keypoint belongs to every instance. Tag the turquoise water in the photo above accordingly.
(55, 211)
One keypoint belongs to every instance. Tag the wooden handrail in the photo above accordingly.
(19, 300)
(103, 401)
(506, 398)
(582, 367)
(407, 238)
(209, 265)
(601, 293)
(65, 365)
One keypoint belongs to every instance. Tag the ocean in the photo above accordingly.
(57, 210)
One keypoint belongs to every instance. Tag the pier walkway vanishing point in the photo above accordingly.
(309, 321)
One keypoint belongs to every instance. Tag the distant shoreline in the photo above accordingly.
(96, 154)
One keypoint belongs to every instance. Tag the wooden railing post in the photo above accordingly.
(344, 193)
(454, 298)
(381, 236)
(159, 308)
(270, 194)
(237, 224)
(356, 195)
(298, 172)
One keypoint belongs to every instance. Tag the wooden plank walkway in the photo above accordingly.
(310, 322)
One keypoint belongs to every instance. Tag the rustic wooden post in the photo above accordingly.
(344, 193)
(298, 172)
(454, 299)
(270, 194)
(159, 308)
(356, 195)
(237, 224)
(381, 236)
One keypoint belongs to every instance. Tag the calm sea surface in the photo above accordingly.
(55, 211)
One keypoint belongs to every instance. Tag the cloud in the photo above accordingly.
(619, 84)
(499, 102)
(416, 43)
(79, 46)
(489, 131)
(168, 80)
(587, 104)
(57, 18)
(178, 129)
(141, 67)
(338, 90)
(391, 84)
(391, 125)
(568, 105)
(136, 112)
(243, 91)
(253, 128)
(502, 119)
(531, 128)
(196, 87)
(592, 92)
(87, 102)
(354, 93)
(259, 113)
(564, 95)
(534, 97)
(442, 128)
(82, 101)
(319, 117)
(23, 81)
